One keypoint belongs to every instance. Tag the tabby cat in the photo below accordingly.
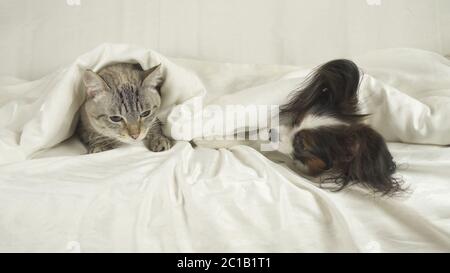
(121, 107)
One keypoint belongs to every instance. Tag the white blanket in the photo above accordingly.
(190, 200)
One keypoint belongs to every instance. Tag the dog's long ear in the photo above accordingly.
(371, 163)
(330, 89)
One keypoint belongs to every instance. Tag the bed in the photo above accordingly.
(56, 198)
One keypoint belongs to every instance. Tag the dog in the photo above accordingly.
(323, 132)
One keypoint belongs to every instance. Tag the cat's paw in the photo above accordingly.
(159, 144)
(99, 149)
(95, 150)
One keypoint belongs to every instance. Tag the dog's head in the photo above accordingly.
(346, 154)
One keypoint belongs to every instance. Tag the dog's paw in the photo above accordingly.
(159, 144)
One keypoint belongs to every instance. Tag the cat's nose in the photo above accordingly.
(134, 131)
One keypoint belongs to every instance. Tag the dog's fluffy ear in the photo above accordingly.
(330, 89)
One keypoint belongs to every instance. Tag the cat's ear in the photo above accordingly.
(94, 84)
(153, 78)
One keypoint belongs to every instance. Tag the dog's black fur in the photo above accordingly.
(330, 90)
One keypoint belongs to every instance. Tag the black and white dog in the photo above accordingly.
(322, 131)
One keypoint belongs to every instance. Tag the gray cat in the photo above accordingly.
(121, 107)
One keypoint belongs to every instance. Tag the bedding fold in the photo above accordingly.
(56, 198)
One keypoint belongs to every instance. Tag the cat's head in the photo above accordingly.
(123, 100)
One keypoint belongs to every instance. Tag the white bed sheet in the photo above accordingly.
(204, 200)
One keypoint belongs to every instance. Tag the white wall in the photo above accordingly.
(37, 36)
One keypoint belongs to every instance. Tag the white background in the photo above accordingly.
(37, 37)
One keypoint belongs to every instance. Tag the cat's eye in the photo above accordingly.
(146, 114)
(116, 118)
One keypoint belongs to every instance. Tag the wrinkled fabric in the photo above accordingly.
(55, 198)
(40, 114)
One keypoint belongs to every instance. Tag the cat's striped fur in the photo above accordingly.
(121, 107)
